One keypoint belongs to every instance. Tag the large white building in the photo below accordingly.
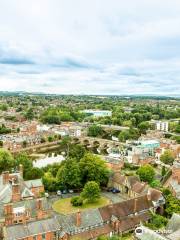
(162, 126)
(98, 113)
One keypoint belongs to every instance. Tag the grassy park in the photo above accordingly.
(64, 206)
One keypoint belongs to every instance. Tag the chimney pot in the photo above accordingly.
(5, 176)
(149, 195)
(135, 205)
(78, 218)
(39, 204)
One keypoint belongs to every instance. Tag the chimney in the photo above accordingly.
(135, 205)
(116, 226)
(21, 170)
(78, 218)
(8, 209)
(39, 204)
(149, 195)
(5, 176)
(8, 214)
(16, 195)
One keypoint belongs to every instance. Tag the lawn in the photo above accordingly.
(64, 206)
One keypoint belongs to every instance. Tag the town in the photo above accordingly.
(78, 167)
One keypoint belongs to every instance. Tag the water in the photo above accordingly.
(43, 162)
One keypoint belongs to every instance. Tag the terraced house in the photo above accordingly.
(26, 216)
(112, 219)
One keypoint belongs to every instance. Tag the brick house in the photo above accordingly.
(13, 188)
(112, 219)
(24, 211)
(174, 181)
(133, 187)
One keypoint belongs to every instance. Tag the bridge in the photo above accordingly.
(89, 142)
(98, 142)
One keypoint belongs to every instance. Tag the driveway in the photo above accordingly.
(115, 197)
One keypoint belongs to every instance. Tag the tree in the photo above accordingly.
(124, 135)
(77, 151)
(49, 182)
(77, 201)
(24, 144)
(94, 131)
(163, 171)
(6, 160)
(167, 157)
(146, 173)
(172, 203)
(93, 168)
(91, 192)
(143, 127)
(50, 139)
(69, 174)
(35, 173)
(177, 129)
(157, 221)
(3, 107)
(22, 158)
(29, 114)
(155, 183)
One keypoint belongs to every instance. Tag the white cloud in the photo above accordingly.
(92, 46)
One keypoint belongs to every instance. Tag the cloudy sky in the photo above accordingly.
(90, 46)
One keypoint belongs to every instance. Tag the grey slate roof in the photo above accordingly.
(34, 183)
(6, 189)
(32, 228)
(89, 218)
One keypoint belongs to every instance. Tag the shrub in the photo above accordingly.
(76, 201)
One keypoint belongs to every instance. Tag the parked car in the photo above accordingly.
(115, 190)
(59, 193)
(70, 191)
(46, 194)
(64, 191)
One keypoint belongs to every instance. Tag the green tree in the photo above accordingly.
(93, 168)
(50, 182)
(177, 129)
(155, 183)
(35, 173)
(94, 131)
(124, 135)
(69, 174)
(163, 171)
(6, 160)
(77, 201)
(77, 151)
(143, 127)
(24, 144)
(172, 203)
(29, 114)
(157, 221)
(167, 157)
(91, 192)
(146, 173)
(22, 158)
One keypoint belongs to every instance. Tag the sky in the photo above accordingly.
(113, 47)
